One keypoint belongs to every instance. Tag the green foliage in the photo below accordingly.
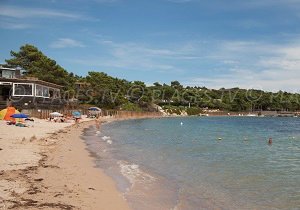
(107, 92)
(176, 85)
(157, 84)
(130, 107)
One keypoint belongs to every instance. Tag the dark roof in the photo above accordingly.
(36, 81)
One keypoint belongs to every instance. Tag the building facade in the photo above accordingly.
(27, 92)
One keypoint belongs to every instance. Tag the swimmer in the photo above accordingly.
(270, 141)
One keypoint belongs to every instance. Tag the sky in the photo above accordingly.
(212, 43)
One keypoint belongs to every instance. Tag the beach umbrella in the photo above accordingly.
(56, 114)
(94, 109)
(6, 113)
(76, 114)
(20, 115)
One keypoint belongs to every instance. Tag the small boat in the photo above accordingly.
(251, 115)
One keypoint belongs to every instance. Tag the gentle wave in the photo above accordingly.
(134, 174)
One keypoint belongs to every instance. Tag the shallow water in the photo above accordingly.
(205, 163)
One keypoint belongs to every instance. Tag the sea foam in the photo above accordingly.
(134, 174)
(105, 138)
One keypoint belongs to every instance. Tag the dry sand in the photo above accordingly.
(48, 167)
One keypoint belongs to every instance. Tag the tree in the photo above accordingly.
(176, 85)
(40, 66)
(107, 91)
(157, 84)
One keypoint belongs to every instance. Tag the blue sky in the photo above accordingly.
(213, 43)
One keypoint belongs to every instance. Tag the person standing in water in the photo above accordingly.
(270, 141)
(98, 122)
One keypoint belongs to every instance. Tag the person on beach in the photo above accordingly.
(77, 122)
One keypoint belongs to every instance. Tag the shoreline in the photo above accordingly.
(53, 169)
(139, 186)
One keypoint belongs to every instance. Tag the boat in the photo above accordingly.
(251, 115)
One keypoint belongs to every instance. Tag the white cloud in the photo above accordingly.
(256, 81)
(256, 64)
(247, 64)
(66, 43)
(21, 12)
(183, 52)
(146, 57)
(215, 64)
(13, 17)
(131, 56)
(14, 25)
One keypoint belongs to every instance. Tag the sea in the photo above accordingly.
(202, 162)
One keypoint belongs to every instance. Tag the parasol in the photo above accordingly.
(76, 114)
(56, 114)
(20, 115)
(6, 113)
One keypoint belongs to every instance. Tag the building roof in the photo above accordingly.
(31, 80)
(2, 67)
(7, 69)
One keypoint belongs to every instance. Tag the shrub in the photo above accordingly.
(130, 107)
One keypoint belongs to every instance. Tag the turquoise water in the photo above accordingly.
(205, 163)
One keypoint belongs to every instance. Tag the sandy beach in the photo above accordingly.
(47, 166)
